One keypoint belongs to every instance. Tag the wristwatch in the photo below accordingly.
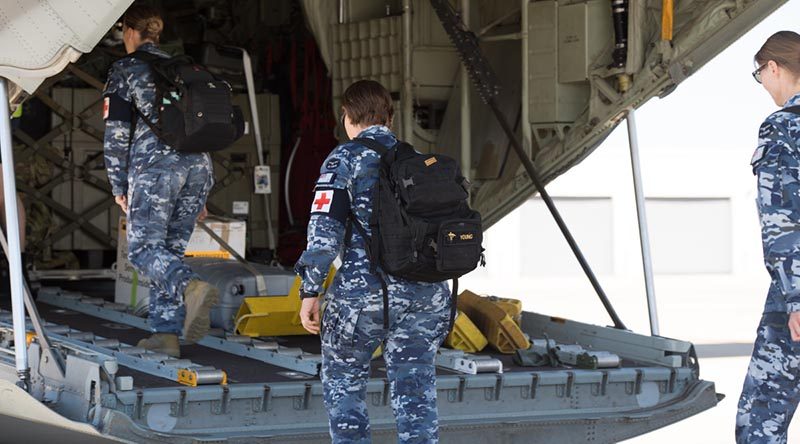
(306, 295)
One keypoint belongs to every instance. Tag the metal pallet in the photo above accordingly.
(264, 351)
(161, 365)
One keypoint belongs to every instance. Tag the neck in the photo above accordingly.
(791, 92)
(135, 45)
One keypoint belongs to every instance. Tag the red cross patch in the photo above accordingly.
(106, 102)
(322, 201)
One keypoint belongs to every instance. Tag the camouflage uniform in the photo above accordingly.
(771, 392)
(166, 189)
(352, 324)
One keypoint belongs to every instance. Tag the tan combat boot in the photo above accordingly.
(198, 297)
(162, 343)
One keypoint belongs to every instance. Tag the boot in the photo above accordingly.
(162, 343)
(198, 297)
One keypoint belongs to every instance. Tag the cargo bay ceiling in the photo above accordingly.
(561, 80)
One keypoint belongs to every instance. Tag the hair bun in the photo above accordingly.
(154, 26)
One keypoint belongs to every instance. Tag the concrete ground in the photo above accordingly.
(713, 426)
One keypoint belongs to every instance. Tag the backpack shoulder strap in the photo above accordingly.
(145, 56)
(150, 59)
(372, 144)
(792, 109)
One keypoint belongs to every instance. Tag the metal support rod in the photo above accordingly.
(485, 82)
(527, 134)
(287, 176)
(36, 320)
(12, 230)
(251, 95)
(641, 212)
(408, 101)
(531, 170)
(466, 108)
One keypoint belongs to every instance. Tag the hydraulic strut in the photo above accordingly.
(485, 82)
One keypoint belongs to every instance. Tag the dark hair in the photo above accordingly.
(783, 48)
(145, 19)
(368, 102)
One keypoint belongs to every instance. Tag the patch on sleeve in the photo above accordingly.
(116, 108)
(326, 179)
(333, 202)
(332, 164)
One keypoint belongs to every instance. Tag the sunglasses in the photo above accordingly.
(757, 72)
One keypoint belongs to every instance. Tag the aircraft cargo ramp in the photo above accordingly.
(657, 384)
(566, 73)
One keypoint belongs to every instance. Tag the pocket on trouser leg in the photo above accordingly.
(153, 200)
(329, 321)
(368, 331)
(340, 320)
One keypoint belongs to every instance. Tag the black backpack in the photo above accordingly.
(195, 113)
(422, 228)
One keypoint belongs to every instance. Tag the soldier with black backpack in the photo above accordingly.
(401, 223)
(160, 115)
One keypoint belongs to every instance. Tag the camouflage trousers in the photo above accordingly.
(353, 329)
(163, 206)
(771, 390)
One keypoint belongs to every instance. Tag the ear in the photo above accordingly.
(773, 67)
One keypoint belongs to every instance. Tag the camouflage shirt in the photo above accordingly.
(776, 164)
(347, 177)
(130, 83)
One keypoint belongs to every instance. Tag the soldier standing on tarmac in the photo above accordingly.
(162, 191)
(771, 391)
(352, 324)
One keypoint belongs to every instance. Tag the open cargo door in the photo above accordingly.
(585, 63)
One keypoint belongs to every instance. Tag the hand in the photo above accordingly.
(203, 214)
(309, 315)
(794, 325)
(122, 201)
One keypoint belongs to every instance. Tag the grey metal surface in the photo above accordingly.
(72, 275)
(653, 350)
(570, 403)
(236, 281)
(255, 349)
(135, 358)
(523, 405)
(706, 28)
(12, 227)
(467, 363)
(251, 96)
(261, 286)
(641, 212)
(485, 82)
(36, 320)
